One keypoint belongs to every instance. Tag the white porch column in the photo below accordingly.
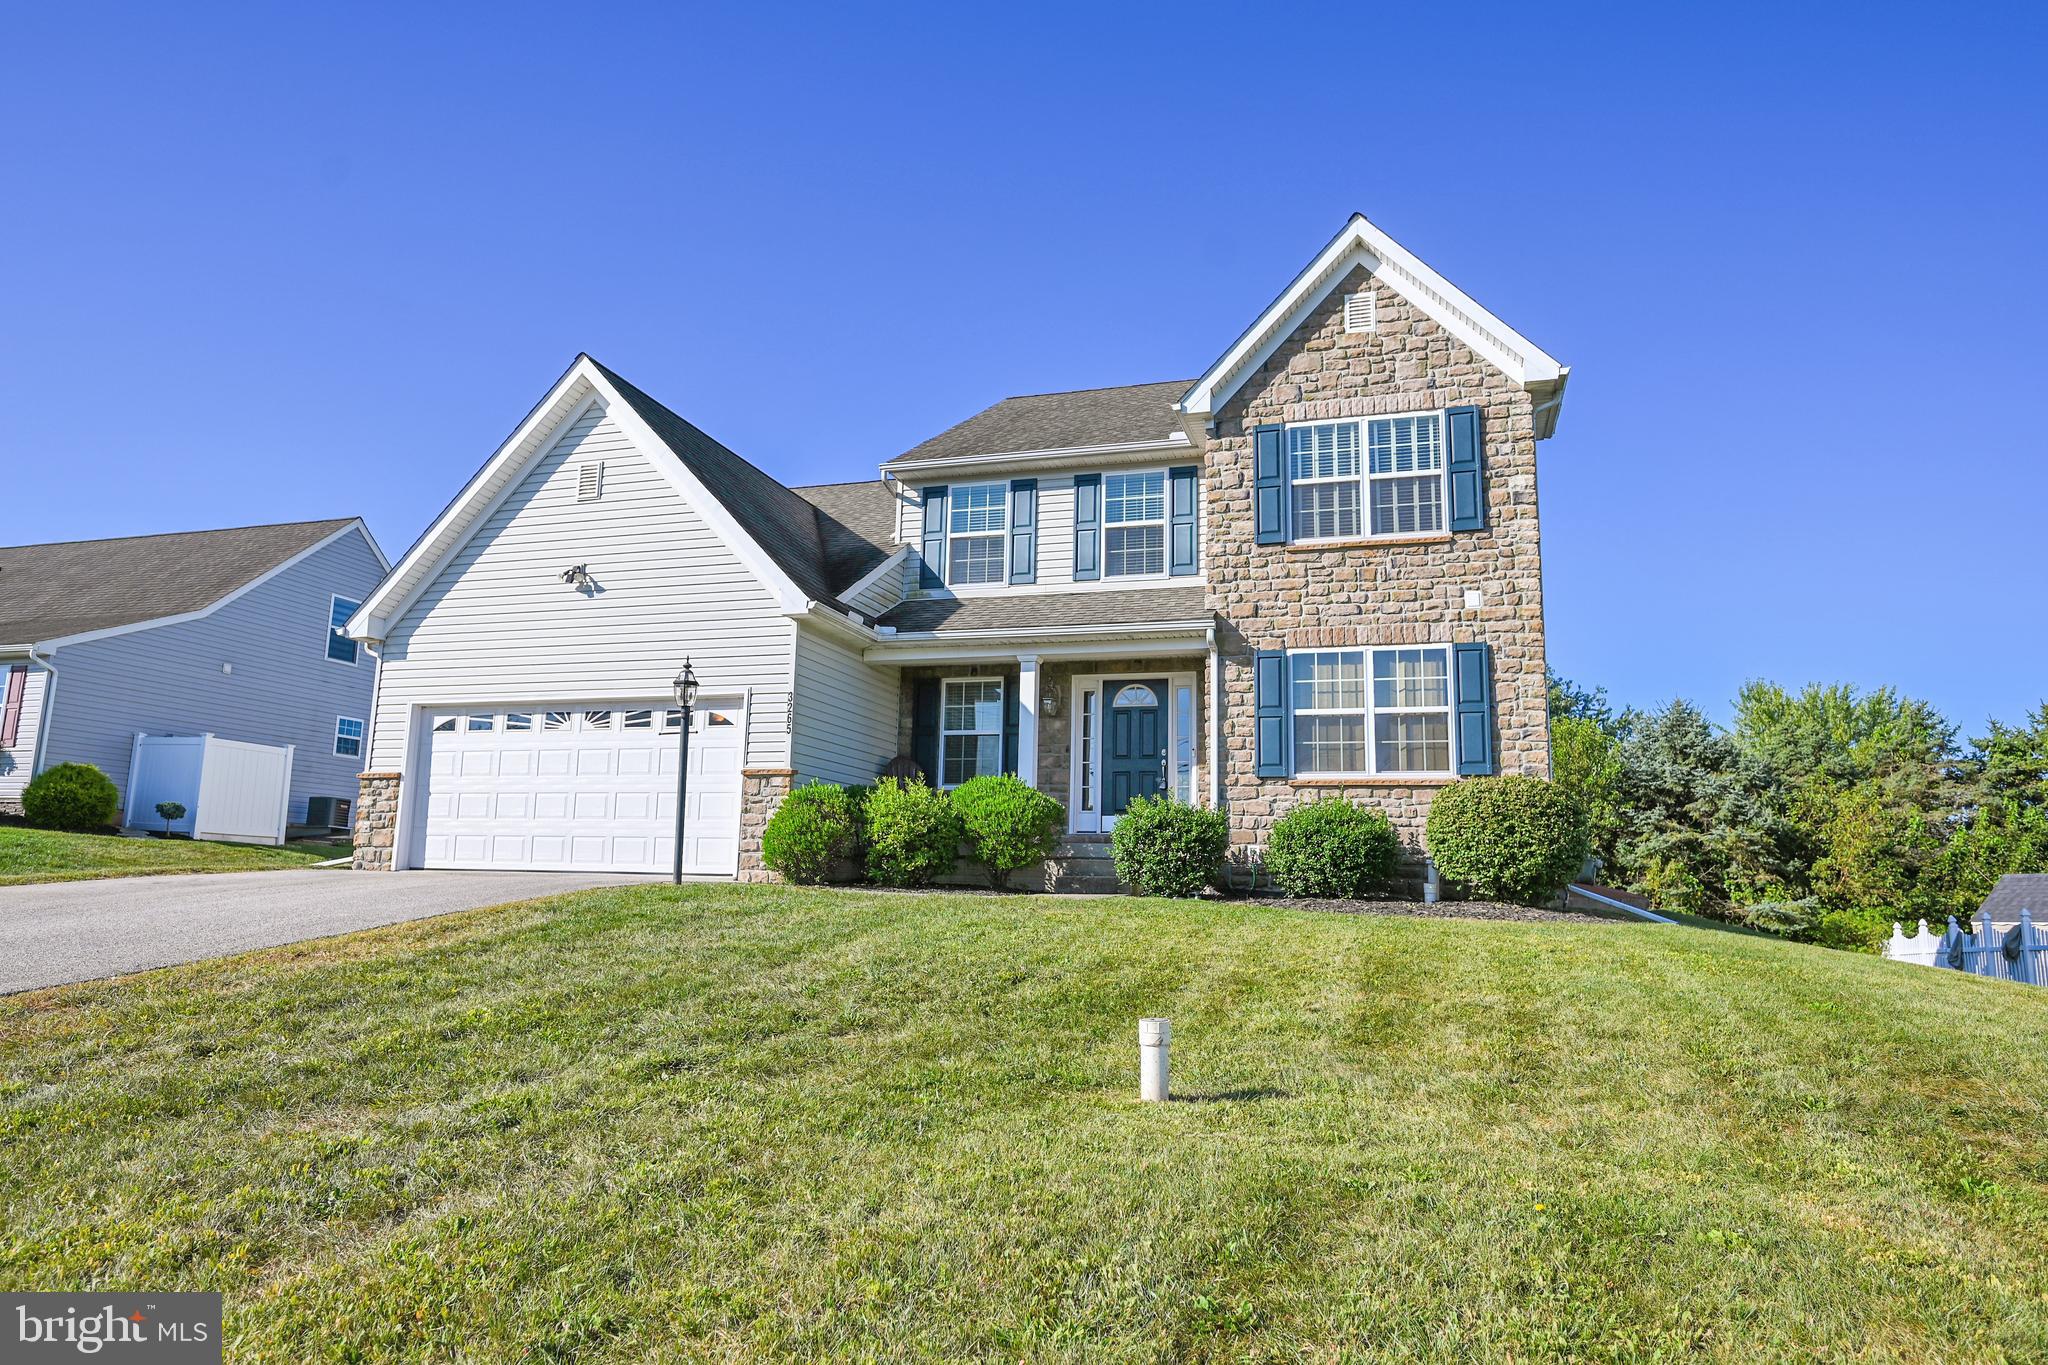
(1027, 719)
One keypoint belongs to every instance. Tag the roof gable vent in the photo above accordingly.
(590, 481)
(1359, 312)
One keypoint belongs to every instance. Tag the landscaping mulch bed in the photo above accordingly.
(1495, 910)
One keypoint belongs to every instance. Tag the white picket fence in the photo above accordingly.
(2016, 954)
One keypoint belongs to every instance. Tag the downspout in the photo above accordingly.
(35, 765)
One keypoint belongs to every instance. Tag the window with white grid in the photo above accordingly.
(1379, 476)
(970, 729)
(1381, 711)
(1133, 524)
(977, 517)
(1322, 469)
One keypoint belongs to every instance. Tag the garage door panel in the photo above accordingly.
(588, 789)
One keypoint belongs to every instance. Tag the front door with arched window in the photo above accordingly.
(1133, 742)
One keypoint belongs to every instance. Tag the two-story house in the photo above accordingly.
(1314, 567)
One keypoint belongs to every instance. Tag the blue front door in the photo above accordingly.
(1133, 742)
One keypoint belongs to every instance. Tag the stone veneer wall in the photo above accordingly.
(376, 821)
(761, 791)
(1376, 592)
(10, 805)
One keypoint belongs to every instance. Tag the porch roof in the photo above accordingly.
(1135, 607)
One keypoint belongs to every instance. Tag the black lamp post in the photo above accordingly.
(686, 694)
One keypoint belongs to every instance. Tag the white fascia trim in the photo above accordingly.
(1362, 243)
(1178, 442)
(891, 648)
(486, 489)
(893, 564)
(1047, 652)
(817, 613)
(491, 485)
(61, 641)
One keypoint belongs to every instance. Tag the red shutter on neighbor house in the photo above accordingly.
(10, 719)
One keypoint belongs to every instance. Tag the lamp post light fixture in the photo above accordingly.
(686, 696)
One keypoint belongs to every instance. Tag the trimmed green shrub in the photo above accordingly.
(1010, 824)
(816, 828)
(1514, 838)
(1332, 848)
(1163, 847)
(71, 796)
(172, 812)
(913, 834)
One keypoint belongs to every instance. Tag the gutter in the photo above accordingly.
(1200, 626)
(1178, 443)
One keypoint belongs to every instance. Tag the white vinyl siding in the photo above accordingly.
(282, 688)
(497, 624)
(846, 713)
(16, 757)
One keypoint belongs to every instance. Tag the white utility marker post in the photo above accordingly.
(1154, 1036)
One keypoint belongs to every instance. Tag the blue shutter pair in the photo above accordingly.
(1023, 534)
(1471, 697)
(932, 572)
(1465, 463)
(1183, 537)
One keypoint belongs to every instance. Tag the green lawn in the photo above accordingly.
(735, 1122)
(40, 855)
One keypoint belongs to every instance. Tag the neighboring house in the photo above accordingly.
(231, 633)
(2017, 891)
(1314, 568)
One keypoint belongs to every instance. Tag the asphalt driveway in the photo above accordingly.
(80, 931)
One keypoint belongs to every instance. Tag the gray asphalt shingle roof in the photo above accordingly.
(1061, 421)
(856, 526)
(2017, 891)
(1125, 607)
(68, 588)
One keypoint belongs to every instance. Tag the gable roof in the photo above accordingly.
(50, 592)
(2017, 891)
(1362, 242)
(1131, 414)
(856, 526)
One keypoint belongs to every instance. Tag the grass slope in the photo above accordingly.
(41, 855)
(733, 1122)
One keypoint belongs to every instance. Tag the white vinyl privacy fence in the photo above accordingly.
(2016, 954)
(230, 790)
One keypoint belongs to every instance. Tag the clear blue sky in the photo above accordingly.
(287, 262)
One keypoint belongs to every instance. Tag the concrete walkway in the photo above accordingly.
(80, 931)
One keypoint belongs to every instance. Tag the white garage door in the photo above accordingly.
(590, 789)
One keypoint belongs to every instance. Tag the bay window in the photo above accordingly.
(977, 518)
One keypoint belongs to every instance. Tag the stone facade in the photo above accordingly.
(761, 791)
(376, 821)
(1375, 592)
(10, 805)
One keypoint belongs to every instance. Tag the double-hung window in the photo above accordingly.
(1398, 491)
(970, 729)
(1371, 711)
(977, 517)
(340, 648)
(1133, 524)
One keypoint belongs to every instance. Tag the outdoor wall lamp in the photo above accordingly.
(578, 576)
(1049, 703)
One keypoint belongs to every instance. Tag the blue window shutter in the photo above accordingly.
(1087, 526)
(932, 574)
(1466, 464)
(1023, 530)
(1269, 704)
(1269, 484)
(924, 727)
(1472, 668)
(1181, 518)
(1010, 726)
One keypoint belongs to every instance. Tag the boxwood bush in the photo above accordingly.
(913, 834)
(1513, 838)
(1163, 847)
(1009, 823)
(1332, 848)
(71, 796)
(815, 829)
